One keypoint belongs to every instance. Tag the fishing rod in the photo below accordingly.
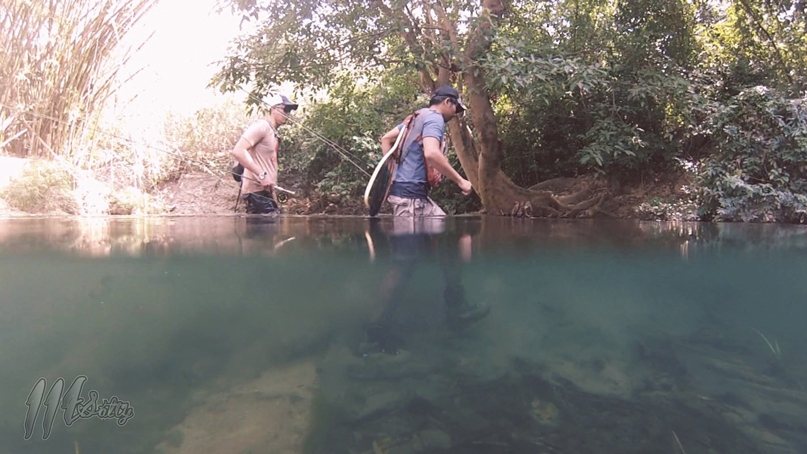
(185, 158)
(324, 139)
(293, 121)
(347, 155)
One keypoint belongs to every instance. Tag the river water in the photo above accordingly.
(240, 335)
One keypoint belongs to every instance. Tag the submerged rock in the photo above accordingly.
(269, 414)
(430, 439)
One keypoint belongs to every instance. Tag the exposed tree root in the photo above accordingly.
(521, 202)
(500, 196)
(561, 184)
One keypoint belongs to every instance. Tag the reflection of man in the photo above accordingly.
(262, 236)
(413, 240)
(256, 150)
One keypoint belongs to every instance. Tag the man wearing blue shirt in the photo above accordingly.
(409, 195)
(418, 221)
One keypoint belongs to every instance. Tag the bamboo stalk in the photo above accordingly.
(58, 66)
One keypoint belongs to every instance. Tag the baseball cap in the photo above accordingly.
(450, 92)
(275, 100)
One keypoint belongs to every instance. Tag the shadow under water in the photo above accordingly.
(240, 334)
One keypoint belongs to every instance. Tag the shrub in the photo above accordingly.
(757, 170)
(43, 187)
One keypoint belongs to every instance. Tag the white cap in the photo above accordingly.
(275, 100)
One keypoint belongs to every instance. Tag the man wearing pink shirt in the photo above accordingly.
(256, 150)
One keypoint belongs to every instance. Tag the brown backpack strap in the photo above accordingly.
(398, 155)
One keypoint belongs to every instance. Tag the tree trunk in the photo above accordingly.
(499, 194)
(482, 166)
(481, 161)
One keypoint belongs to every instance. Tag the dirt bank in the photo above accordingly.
(206, 194)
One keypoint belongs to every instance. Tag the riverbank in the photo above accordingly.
(43, 187)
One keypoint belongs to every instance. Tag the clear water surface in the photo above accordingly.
(237, 335)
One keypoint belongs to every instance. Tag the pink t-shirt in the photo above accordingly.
(263, 140)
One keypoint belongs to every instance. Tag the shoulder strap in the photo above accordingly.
(274, 131)
(408, 122)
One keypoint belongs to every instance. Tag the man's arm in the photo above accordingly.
(388, 140)
(252, 135)
(435, 158)
(241, 154)
(433, 130)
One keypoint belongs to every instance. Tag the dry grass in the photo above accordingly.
(61, 61)
(202, 141)
(120, 154)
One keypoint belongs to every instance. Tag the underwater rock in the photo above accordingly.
(545, 413)
(269, 414)
(430, 439)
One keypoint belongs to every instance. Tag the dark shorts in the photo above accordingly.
(261, 203)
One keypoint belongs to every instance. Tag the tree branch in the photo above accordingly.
(450, 28)
(758, 23)
(411, 40)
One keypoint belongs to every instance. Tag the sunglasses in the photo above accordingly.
(286, 109)
(456, 105)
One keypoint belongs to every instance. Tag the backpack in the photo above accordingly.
(237, 171)
(433, 176)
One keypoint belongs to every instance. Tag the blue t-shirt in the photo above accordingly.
(411, 180)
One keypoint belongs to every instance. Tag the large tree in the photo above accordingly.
(309, 42)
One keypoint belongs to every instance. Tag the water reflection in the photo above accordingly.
(233, 334)
(244, 235)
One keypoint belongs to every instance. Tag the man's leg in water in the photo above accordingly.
(382, 333)
(459, 312)
(392, 289)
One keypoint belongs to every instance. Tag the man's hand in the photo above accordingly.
(465, 186)
(435, 158)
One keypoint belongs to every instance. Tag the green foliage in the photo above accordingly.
(353, 117)
(314, 44)
(758, 169)
(649, 29)
(660, 209)
(761, 43)
(567, 115)
(628, 89)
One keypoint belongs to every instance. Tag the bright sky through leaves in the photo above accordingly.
(178, 60)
